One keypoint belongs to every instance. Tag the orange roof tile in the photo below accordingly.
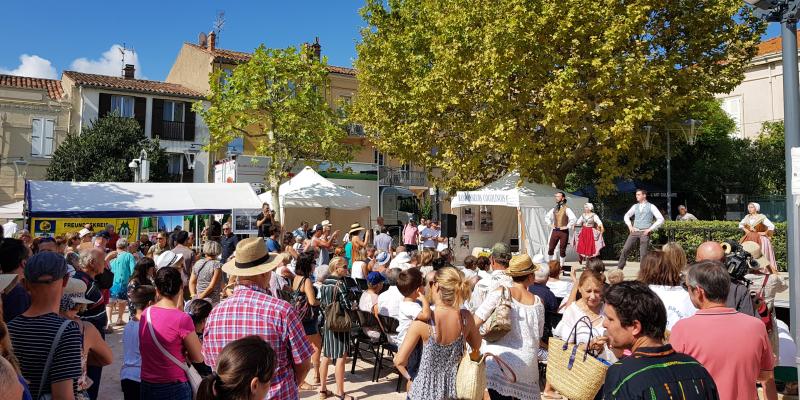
(770, 46)
(132, 85)
(235, 57)
(51, 86)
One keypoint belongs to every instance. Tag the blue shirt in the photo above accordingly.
(122, 267)
(272, 246)
(228, 244)
(15, 302)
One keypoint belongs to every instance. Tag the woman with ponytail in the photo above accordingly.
(244, 371)
(443, 337)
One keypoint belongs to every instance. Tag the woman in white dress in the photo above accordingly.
(758, 228)
(589, 241)
(518, 347)
(661, 271)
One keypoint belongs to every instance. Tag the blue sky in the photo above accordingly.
(86, 35)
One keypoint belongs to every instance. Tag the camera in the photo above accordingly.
(738, 262)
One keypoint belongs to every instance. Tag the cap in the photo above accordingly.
(501, 250)
(46, 263)
(83, 232)
(375, 278)
(103, 234)
(383, 258)
(167, 259)
(325, 223)
(317, 227)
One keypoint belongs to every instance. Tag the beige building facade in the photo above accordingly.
(34, 120)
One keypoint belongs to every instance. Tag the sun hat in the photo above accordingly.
(400, 258)
(755, 250)
(168, 258)
(356, 228)
(375, 278)
(46, 263)
(252, 258)
(501, 250)
(325, 223)
(83, 232)
(76, 291)
(383, 258)
(521, 265)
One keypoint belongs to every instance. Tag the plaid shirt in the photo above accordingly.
(251, 311)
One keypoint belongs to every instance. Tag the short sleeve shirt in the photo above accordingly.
(32, 338)
(407, 313)
(171, 327)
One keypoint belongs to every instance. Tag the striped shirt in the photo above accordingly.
(32, 338)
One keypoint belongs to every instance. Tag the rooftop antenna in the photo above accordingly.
(219, 23)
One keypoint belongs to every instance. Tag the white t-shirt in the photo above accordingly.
(358, 270)
(408, 312)
(442, 245)
(367, 300)
(560, 288)
(389, 302)
(677, 302)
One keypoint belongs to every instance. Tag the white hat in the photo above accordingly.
(168, 259)
(325, 223)
(83, 232)
(400, 258)
(76, 290)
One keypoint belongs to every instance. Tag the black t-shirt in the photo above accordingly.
(32, 338)
(658, 373)
(263, 230)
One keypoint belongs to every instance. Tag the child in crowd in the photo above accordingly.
(199, 310)
(415, 306)
(139, 298)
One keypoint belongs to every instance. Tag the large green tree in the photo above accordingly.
(277, 99)
(476, 88)
(102, 151)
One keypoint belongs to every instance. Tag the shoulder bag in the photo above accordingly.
(337, 319)
(192, 375)
(300, 302)
(574, 372)
(45, 372)
(499, 323)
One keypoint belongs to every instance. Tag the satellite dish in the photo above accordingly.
(202, 39)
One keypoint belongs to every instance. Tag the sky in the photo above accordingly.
(87, 35)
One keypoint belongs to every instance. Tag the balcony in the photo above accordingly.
(397, 177)
(173, 130)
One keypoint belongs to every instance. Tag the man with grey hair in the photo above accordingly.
(549, 300)
(228, 242)
(122, 266)
(499, 258)
(684, 215)
(733, 347)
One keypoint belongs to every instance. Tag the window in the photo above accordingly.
(174, 163)
(123, 105)
(378, 157)
(42, 136)
(226, 73)
(173, 111)
(733, 107)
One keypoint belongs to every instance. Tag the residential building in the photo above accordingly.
(759, 98)
(34, 119)
(162, 109)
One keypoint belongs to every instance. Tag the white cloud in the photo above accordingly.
(32, 66)
(109, 63)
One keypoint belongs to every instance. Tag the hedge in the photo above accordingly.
(690, 235)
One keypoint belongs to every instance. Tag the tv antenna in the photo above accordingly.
(123, 50)
(219, 23)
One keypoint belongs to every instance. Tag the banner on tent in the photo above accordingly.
(487, 198)
(53, 227)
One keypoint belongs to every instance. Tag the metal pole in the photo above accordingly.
(791, 115)
(669, 179)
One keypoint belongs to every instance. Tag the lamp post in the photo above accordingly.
(786, 12)
(688, 128)
(140, 167)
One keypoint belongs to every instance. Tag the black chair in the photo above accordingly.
(388, 327)
(367, 322)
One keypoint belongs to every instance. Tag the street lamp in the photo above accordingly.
(140, 167)
(786, 12)
(21, 166)
(689, 130)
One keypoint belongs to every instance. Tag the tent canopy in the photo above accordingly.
(109, 199)
(508, 192)
(11, 211)
(308, 189)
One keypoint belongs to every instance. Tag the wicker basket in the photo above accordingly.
(572, 371)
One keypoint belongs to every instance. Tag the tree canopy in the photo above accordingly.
(476, 88)
(277, 99)
(102, 151)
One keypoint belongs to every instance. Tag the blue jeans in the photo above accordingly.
(166, 391)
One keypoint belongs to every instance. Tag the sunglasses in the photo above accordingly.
(686, 287)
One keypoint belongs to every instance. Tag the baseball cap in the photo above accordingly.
(168, 259)
(103, 234)
(83, 232)
(317, 227)
(383, 258)
(501, 250)
(375, 278)
(46, 263)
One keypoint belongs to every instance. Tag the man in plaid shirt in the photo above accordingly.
(251, 311)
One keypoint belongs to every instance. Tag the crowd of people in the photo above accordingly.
(270, 316)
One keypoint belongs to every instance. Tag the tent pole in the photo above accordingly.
(522, 238)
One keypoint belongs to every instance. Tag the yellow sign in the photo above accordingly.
(53, 227)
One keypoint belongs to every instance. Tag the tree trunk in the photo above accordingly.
(274, 186)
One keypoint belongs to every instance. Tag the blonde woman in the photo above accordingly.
(335, 345)
(758, 228)
(443, 338)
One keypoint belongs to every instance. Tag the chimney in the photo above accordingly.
(316, 49)
(129, 71)
(212, 40)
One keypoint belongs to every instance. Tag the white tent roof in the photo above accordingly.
(108, 199)
(308, 189)
(11, 211)
(507, 192)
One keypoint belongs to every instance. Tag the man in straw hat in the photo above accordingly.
(636, 320)
(252, 311)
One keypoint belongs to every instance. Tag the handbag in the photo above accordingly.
(576, 374)
(764, 313)
(337, 319)
(300, 303)
(499, 323)
(192, 375)
(471, 376)
(61, 329)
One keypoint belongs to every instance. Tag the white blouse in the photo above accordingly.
(750, 219)
(592, 220)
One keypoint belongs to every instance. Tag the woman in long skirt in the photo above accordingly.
(589, 241)
(758, 228)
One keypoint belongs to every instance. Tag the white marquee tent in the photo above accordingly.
(310, 197)
(517, 211)
(11, 211)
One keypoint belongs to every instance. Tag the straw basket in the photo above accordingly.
(574, 372)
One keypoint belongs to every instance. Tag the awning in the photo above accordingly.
(308, 189)
(122, 199)
(11, 211)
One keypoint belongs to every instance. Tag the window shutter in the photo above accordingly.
(37, 133)
(140, 110)
(157, 123)
(105, 105)
(188, 128)
(47, 137)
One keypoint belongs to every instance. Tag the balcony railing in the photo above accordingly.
(172, 130)
(398, 177)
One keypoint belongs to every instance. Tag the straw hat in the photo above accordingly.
(755, 250)
(252, 258)
(521, 265)
(356, 228)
